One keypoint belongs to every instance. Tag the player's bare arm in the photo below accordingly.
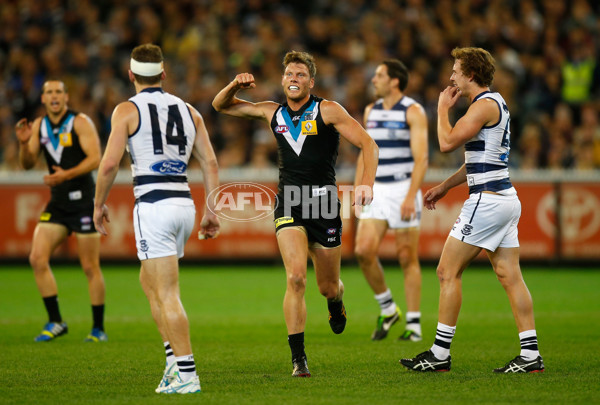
(358, 174)
(417, 120)
(29, 145)
(227, 102)
(334, 114)
(203, 151)
(123, 122)
(480, 113)
(90, 144)
(438, 192)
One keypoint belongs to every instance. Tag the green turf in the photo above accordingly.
(239, 341)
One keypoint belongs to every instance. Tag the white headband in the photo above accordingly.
(146, 68)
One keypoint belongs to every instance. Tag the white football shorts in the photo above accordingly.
(162, 228)
(489, 221)
(387, 199)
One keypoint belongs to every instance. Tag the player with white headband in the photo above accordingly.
(160, 131)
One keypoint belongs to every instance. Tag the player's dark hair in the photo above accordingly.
(147, 53)
(476, 62)
(397, 70)
(52, 79)
(303, 58)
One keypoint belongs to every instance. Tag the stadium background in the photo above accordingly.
(547, 70)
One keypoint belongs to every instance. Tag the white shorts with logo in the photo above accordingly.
(489, 221)
(387, 199)
(162, 228)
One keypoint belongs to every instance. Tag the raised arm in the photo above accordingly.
(334, 114)
(227, 102)
(29, 145)
(124, 117)
(203, 151)
(90, 144)
(481, 113)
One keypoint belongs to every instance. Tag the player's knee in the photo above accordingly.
(38, 261)
(445, 274)
(329, 290)
(297, 281)
(507, 279)
(364, 252)
(406, 258)
(90, 269)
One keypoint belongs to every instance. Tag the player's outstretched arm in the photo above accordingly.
(203, 151)
(124, 117)
(226, 101)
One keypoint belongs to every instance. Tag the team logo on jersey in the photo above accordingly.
(309, 127)
(144, 245)
(65, 139)
(467, 229)
(169, 167)
(282, 129)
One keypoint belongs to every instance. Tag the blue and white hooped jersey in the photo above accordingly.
(486, 154)
(161, 146)
(391, 132)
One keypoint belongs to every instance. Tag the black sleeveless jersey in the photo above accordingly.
(61, 147)
(307, 147)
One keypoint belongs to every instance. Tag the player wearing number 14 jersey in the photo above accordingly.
(161, 132)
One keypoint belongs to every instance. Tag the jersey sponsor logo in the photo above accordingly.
(331, 239)
(45, 216)
(332, 231)
(309, 127)
(282, 129)
(318, 192)
(144, 245)
(66, 139)
(283, 221)
(295, 118)
(392, 125)
(169, 167)
(467, 229)
(75, 195)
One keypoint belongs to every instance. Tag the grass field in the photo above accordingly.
(242, 355)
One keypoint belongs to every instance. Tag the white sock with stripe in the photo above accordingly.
(443, 339)
(187, 367)
(386, 303)
(169, 354)
(413, 321)
(529, 344)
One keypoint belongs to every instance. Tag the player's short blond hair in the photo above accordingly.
(301, 57)
(476, 62)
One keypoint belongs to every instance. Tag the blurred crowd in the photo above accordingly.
(546, 52)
